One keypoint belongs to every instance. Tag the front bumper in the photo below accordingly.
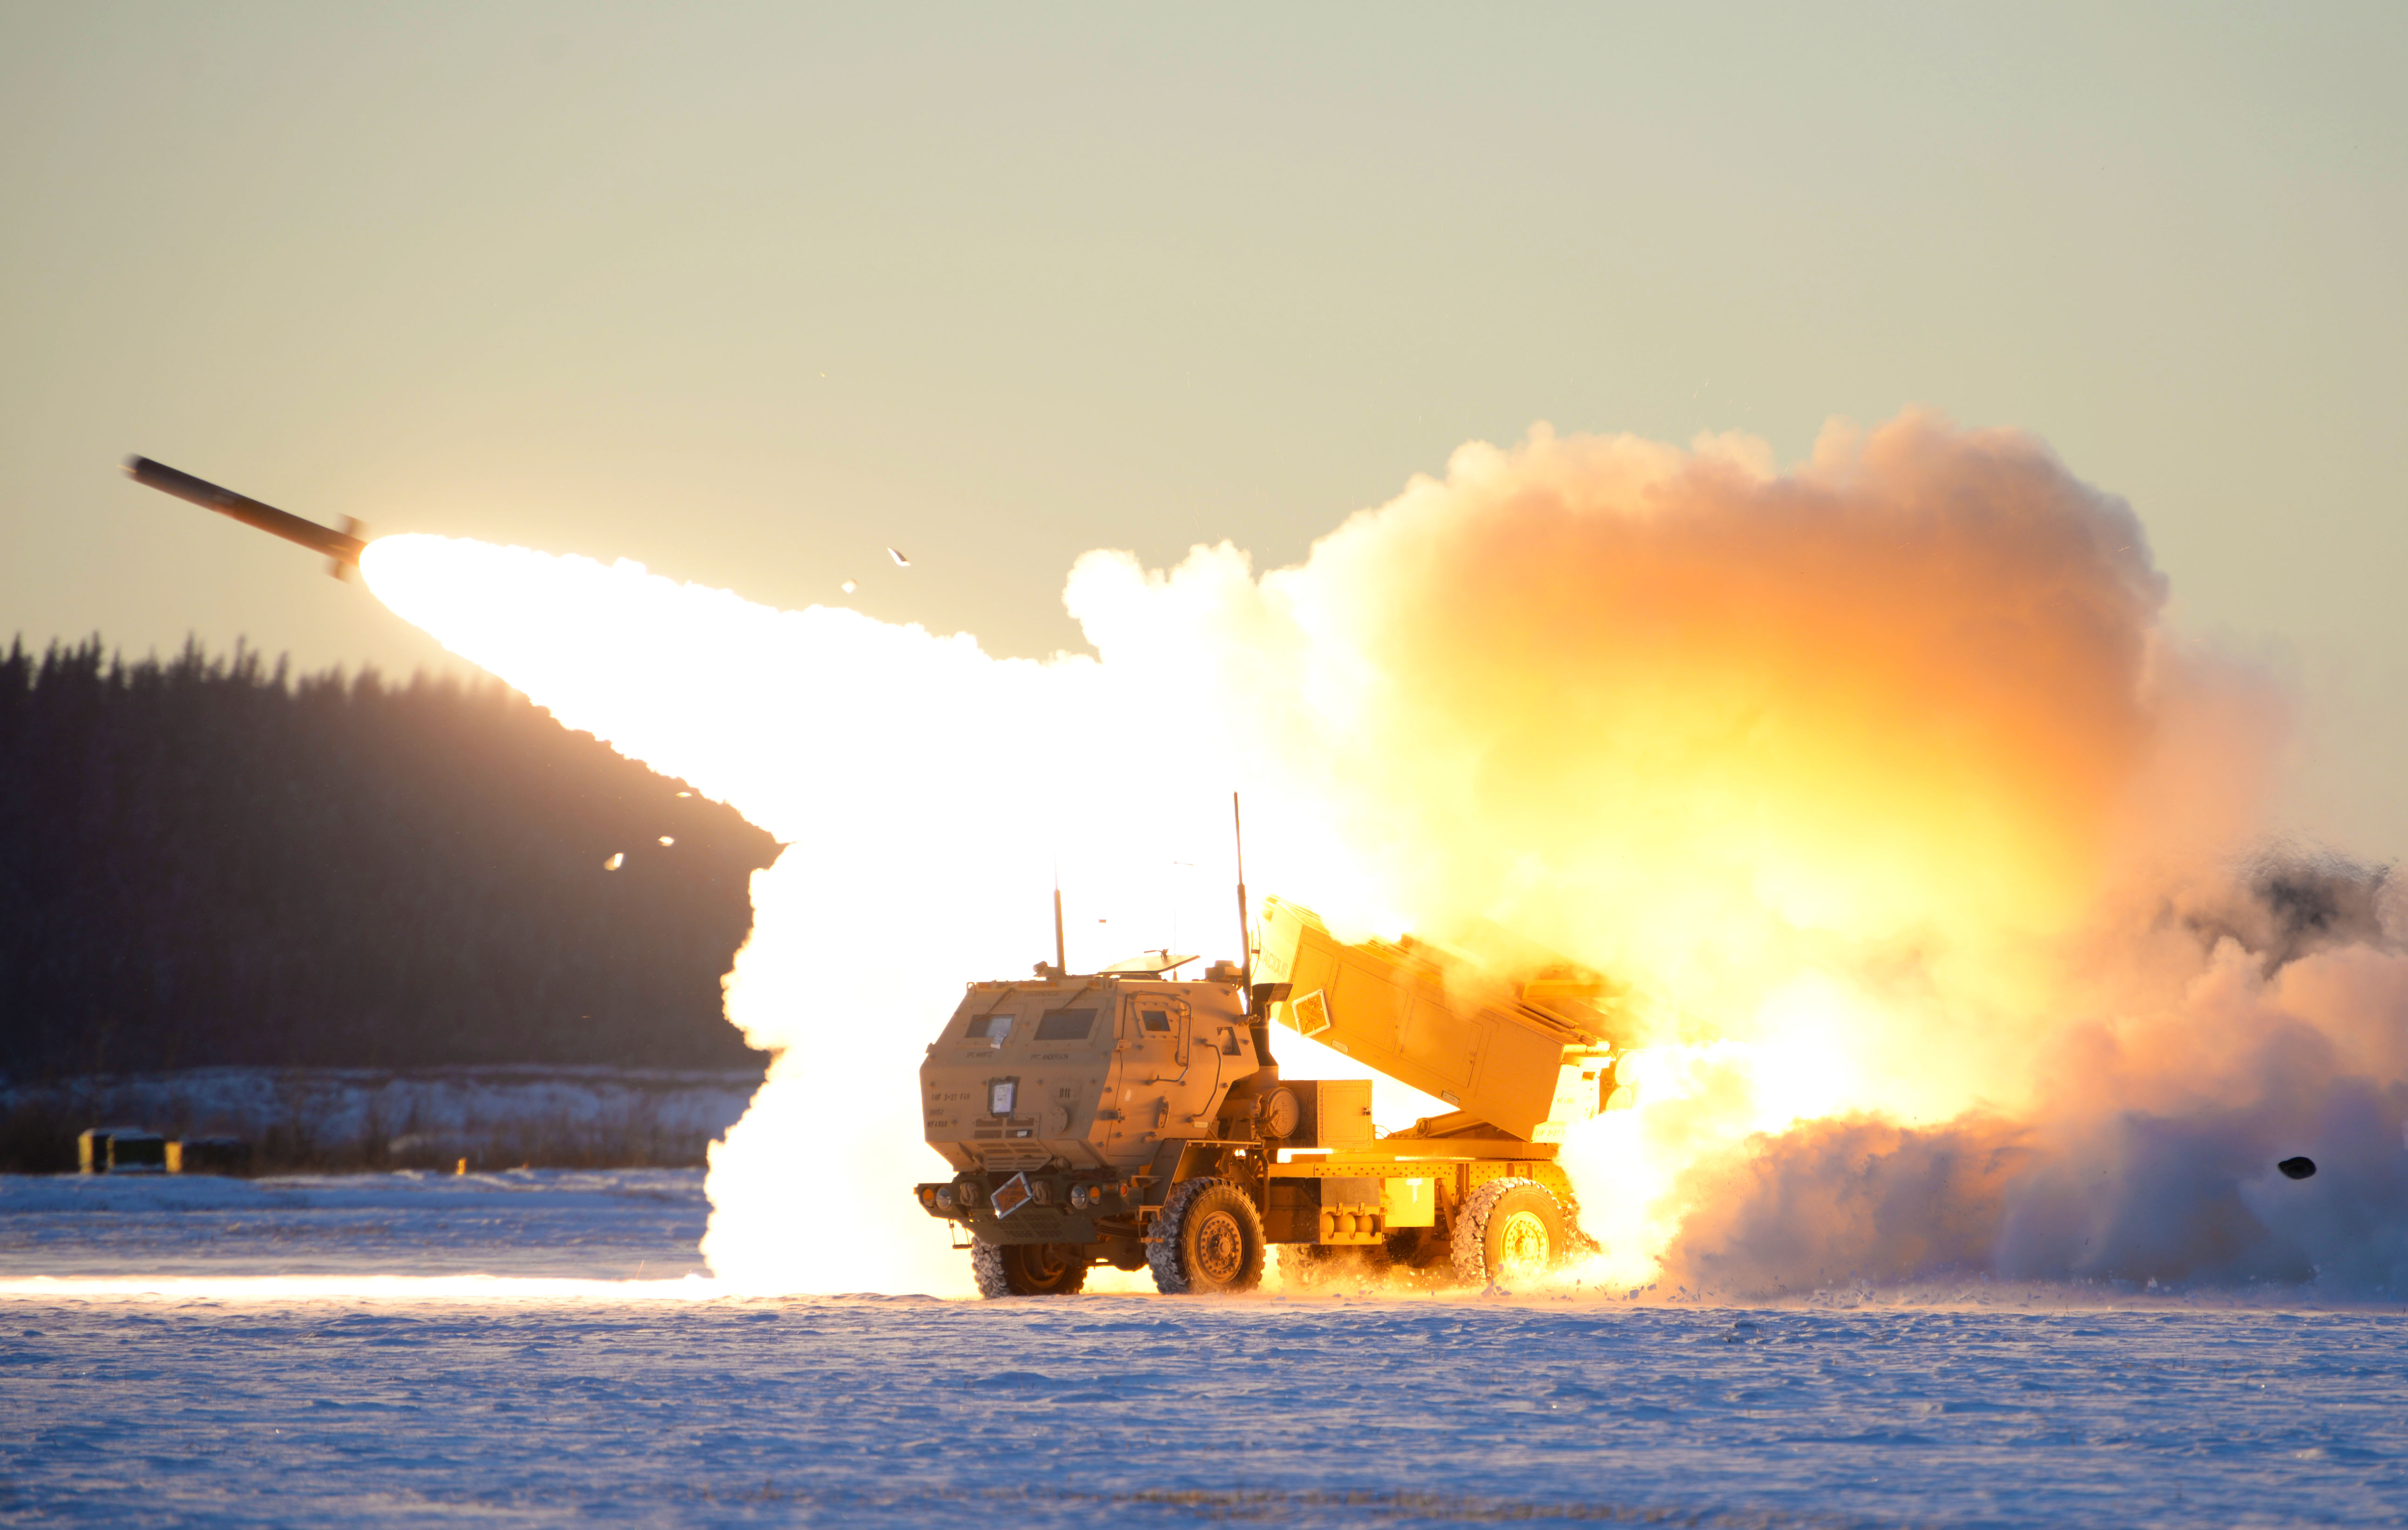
(1039, 1207)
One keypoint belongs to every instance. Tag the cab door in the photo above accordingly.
(1150, 1071)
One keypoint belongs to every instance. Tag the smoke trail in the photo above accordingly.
(1876, 778)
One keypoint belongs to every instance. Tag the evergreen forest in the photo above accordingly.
(207, 860)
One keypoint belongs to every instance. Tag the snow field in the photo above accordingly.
(604, 1223)
(245, 1404)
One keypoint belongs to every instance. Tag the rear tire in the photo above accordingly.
(1028, 1269)
(1508, 1230)
(1207, 1240)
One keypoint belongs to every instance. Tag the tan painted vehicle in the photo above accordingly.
(1121, 1118)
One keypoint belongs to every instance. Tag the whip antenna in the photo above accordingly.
(1061, 956)
(1245, 926)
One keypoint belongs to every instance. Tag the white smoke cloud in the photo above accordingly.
(1877, 779)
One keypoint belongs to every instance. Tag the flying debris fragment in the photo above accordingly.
(615, 862)
(900, 560)
(668, 839)
(2297, 1168)
(849, 587)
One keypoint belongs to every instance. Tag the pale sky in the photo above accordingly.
(753, 291)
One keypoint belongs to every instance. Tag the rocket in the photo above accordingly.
(341, 548)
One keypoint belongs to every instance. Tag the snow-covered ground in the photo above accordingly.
(383, 1388)
(595, 1225)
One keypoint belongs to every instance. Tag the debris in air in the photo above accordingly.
(900, 560)
(849, 587)
(2296, 1169)
(615, 862)
(668, 839)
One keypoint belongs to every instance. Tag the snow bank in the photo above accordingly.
(360, 1118)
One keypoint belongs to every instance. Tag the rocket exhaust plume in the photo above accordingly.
(1915, 837)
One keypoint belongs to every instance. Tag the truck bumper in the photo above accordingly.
(1030, 1207)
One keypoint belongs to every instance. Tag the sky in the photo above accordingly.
(752, 293)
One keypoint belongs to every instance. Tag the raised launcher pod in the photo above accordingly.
(1514, 1037)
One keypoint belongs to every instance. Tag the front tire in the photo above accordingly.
(1508, 1230)
(1207, 1240)
(1028, 1269)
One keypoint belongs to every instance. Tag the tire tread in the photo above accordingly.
(1469, 1249)
(1163, 1239)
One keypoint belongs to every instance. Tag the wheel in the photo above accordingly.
(1206, 1239)
(1509, 1229)
(1028, 1269)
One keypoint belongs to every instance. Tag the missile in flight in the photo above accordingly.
(341, 548)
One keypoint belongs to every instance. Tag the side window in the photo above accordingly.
(1065, 1026)
(1156, 1017)
(988, 1027)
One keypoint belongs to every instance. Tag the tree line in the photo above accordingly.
(207, 860)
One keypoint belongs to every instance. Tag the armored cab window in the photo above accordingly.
(1066, 1026)
(990, 1027)
(1158, 1018)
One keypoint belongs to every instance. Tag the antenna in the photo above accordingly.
(1258, 1020)
(1061, 956)
(1245, 926)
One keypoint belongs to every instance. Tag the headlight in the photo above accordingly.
(1080, 1195)
(944, 1197)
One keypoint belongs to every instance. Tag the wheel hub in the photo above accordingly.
(1522, 1242)
(1220, 1248)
